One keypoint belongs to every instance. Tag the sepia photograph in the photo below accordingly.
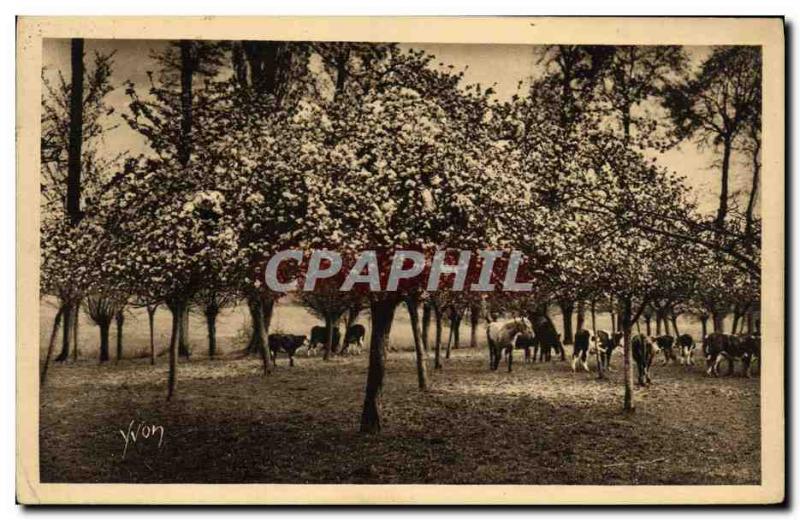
(312, 261)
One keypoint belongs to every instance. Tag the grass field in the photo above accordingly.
(541, 424)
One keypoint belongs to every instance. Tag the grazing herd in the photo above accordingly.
(540, 339)
(291, 343)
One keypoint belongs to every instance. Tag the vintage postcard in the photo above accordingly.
(400, 260)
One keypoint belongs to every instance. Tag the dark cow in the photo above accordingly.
(288, 343)
(580, 350)
(718, 347)
(686, 347)
(643, 353)
(547, 340)
(750, 352)
(715, 347)
(526, 342)
(607, 342)
(355, 335)
(319, 336)
(665, 344)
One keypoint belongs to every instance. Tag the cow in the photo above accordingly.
(751, 351)
(718, 347)
(502, 336)
(607, 342)
(580, 349)
(643, 353)
(319, 336)
(547, 340)
(686, 347)
(665, 344)
(288, 343)
(526, 342)
(355, 335)
(715, 348)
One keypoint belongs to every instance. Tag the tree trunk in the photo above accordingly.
(629, 405)
(580, 316)
(704, 325)
(252, 343)
(727, 146)
(211, 324)
(120, 320)
(259, 331)
(661, 319)
(426, 325)
(104, 346)
(183, 336)
(756, 166)
(341, 71)
(151, 315)
(674, 320)
(474, 320)
(718, 320)
(566, 317)
(268, 305)
(76, 317)
(382, 316)
(387, 341)
(352, 316)
(412, 304)
(450, 333)
(647, 320)
(177, 316)
(53, 335)
(598, 358)
(74, 152)
(613, 318)
(437, 348)
(66, 337)
(183, 330)
(626, 122)
(456, 324)
(187, 73)
(328, 337)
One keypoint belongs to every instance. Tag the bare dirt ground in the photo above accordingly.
(540, 424)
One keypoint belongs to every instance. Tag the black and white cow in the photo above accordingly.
(666, 344)
(288, 343)
(319, 336)
(580, 349)
(607, 341)
(718, 347)
(686, 347)
(354, 336)
(715, 348)
(643, 353)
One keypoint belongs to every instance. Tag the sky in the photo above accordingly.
(502, 66)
